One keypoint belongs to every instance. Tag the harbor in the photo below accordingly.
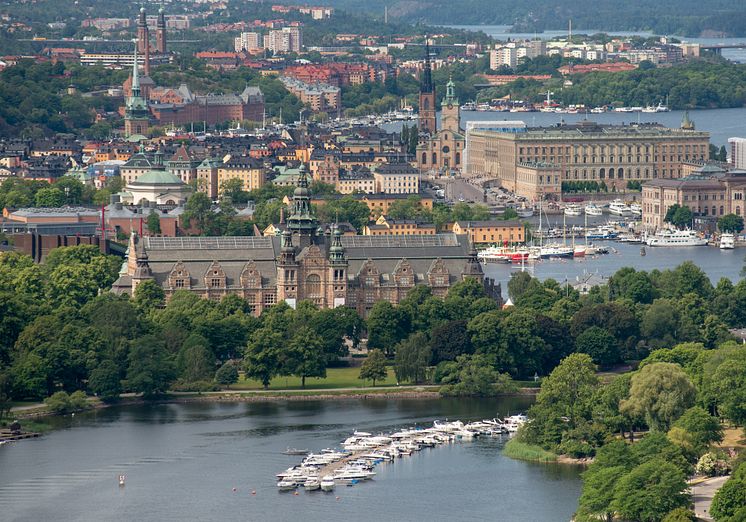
(363, 451)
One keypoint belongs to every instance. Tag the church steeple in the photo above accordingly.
(136, 114)
(426, 120)
(302, 221)
(450, 92)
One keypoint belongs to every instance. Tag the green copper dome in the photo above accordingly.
(158, 177)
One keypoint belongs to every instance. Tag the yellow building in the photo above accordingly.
(491, 232)
(398, 227)
(249, 170)
(396, 178)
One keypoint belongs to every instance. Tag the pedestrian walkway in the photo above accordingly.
(702, 495)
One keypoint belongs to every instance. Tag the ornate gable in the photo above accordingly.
(251, 277)
(369, 274)
(179, 277)
(215, 276)
(437, 274)
(313, 257)
(403, 273)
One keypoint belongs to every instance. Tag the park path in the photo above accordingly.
(702, 494)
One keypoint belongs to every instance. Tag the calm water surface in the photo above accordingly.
(182, 461)
(716, 263)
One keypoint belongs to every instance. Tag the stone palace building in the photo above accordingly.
(307, 261)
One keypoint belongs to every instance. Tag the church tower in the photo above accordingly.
(143, 39)
(160, 33)
(451, 111)
(426, 122)
(136, 114)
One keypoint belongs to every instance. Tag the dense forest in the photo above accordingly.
(680, 17)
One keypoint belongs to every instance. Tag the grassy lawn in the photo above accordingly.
(733, 438)
(335, 378)
(520, 451)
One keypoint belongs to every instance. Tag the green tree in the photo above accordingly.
(679, 216)
(475, 376)
(650, 491)
(154, 223)
(195, 361)
(680, 514)
(700, 430)
(598, 493)
(374, 367)
(730, 223)
(227, 374)
(307, 357)
(449, 340)
(104, 381)
(599, 344)
(149, 295)
(661, 393)
(387, 326)
(198, 212)
(50, 197)
(412, 358)
(569, 389)
(262, 360)
(150, 370)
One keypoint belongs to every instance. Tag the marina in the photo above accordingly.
(363, 451)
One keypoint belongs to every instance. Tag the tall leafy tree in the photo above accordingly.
(661, 393)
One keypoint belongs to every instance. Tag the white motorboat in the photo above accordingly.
(557, 250)
(727, 241)
(675, 238)
(573, 210)
(591, 209)
(524, 211)
(287, 485)
(312, 484)
(619, 208)
(635, 209)
(327, 483)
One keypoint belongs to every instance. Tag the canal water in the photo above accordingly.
(182, 462)
(714, 262)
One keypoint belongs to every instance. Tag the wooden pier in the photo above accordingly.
(9, 436)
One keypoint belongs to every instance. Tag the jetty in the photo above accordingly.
(11, 436)
(363, 451)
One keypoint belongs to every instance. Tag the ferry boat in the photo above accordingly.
(675, 238)
(573, 210)
(496, 255)
(727, 241)
(619, 208)
(591, 209)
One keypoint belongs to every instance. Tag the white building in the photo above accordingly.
(737, 152)
(285, 40)
(507, 56)
(248, 41)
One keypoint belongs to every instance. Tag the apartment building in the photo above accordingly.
(396, 178)
(250, 171)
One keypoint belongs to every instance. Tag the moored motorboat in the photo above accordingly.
(287, 485)
(675, 238)
(727, 241)
(312, 484)
(327, 483)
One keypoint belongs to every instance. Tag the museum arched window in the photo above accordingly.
(313, 285)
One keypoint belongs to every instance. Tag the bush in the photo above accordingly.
(60, 402)
(711, 465)
(227, 374)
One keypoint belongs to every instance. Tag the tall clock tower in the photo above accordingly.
(426, 121)
(450, 109)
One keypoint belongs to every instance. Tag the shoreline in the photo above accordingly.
(416, 392)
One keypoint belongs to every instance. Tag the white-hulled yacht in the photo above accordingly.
(675, 238)
(619, 208)
(591, 209)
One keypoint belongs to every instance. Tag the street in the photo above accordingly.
(702, 495)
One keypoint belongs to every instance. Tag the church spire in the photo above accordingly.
(302, 221)
(135, 75)
(450, 92)
(427, 76)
